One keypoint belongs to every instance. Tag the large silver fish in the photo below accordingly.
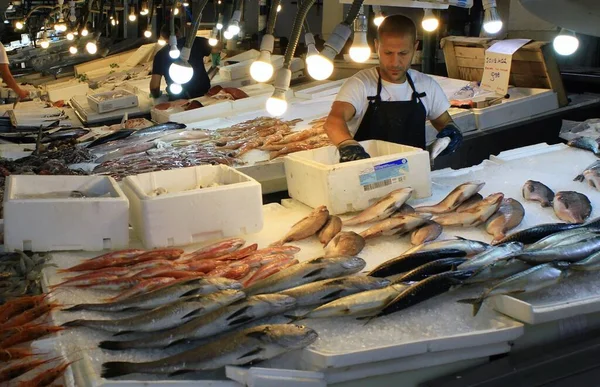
(572, 207)
(491, 255)
(307, 226)
(383, 208)
(509, 215)
(591, 263)
(538, 192)
(498, 269)
(250, 345)
(345, 243)
(555, 238)
(396, 225)
(471, 247)
(454, 198)
(474, 216)
(571, 253)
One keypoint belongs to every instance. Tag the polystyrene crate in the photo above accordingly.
(186, 214)
(49, 224)
(125, 100)
(316, 178)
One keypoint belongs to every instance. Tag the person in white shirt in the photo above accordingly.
(390, 102)
(7, 77)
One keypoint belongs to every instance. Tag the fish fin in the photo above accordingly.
(74, 323)
(476, 302)
(112, 369)
(193, 313)
(180, 372)
(113, 345)
(122, 333)
(239, 312)
(333, 295)
(192, 292)
(256, 334)
(241, 320)
(578, 178)
(313, 273)
(253, 352)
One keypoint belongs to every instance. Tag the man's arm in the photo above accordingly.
(10, 81)
(446, 127)
(336, 124)
(155, 85)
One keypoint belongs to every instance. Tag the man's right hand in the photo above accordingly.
(351, 150)
(23, 94)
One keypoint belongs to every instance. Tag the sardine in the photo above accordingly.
(307, 226)
(330, 229)
(383, 208)
(454, 198)
(538, 192)
(591, 263)
(498, 269)
(572, 207)
(491, 255)
(216, 322)
(164, 295)
(437, 147)
(572, 252)
(470, 247)
(305, 272)
(586, 143)
(322, 292)
(167, 316)
(345, 243)
(158, 128)
(431, 268)
(248, 346)
(397, 225)
(360, 304)
(509, 215)
(474, 216)
(470, 202)
(530, 280)
(429, 232)
(408, 262)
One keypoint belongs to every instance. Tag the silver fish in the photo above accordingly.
(491, 255)
(305, 272)
(383, 208)
(167, 316)
(321, 292)
(555, 238)
(586, 143)
(164, 295)
(498, 269)
(430, 231)
(572, 207)
(221, 320)
(307, 226)
(472, 217)
(592, 167)
(509, 215)
(530, 280)
(454, 198)
(471, 247)
(584, 236)
(572, 252)
(396, 225)
(330, 229)
(538, 192)
(470, 202)
(437, 147)
(591, 263)
(345, 243)
(360, 304)
(593, 178)
(250, 345)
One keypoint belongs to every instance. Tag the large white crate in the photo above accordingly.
(187, 214)
(315, 177)
(89, 223)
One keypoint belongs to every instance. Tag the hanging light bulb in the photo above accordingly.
(212, 40)
(279, 7)
(566, 42)
(492, 24)
(176, 11)
(430, 22)
(174, 51)
(91, 47)
(144, 9)
(181, 71)
(148, 33)
(220, 22)
(175, 88)
(44, 43)
(70, 36)
(228, 35)
(84, 32)
(234, 23)
(378, 15)
(360, 50)
(132, 15)
(161, 42)
(319, 67)
(19, 25)
(277, 104)
(261, 69)
(73, 50)
(113, 22)
(185, 4)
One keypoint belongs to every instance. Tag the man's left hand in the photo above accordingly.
(455, 136)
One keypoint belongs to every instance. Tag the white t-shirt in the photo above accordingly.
(363, 84)
(3, 56)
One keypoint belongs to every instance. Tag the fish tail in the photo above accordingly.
(578, 178)
(475, 302)
(113, 345)
(112, 369)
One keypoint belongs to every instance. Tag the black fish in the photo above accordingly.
(118, 135)
(427, 270)
(159, 128)
(409, 262)
(65, 134)
(536, 233)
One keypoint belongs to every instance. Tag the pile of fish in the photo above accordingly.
(20, 275)
(569, 206)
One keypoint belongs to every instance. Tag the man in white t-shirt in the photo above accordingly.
(7, 77)
(390, 102)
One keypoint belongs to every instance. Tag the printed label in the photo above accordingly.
(385, 174)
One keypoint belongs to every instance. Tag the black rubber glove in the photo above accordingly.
(455, 138)
(351, 150)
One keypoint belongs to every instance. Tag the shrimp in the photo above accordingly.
(31, 333)
(47, 377)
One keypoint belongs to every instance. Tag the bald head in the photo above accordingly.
(397, 26)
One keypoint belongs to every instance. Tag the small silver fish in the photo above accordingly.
(471, 247)
(593, 166)
(437, 147)
(454, 198)
(586, 143)
(383, 208)
(491, 255)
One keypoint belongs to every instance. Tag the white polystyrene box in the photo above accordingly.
(186, 214)
(52, 224)
(315, 177)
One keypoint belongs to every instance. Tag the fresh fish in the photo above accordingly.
(530, 280)
(498, 269)
(65, 134)
(572, 252)
(592, 167)
(593, 178)
(167, 316)
(163, 295)
(536, 233)
(248, 346)
(104, 260)
(158, 128)
(591, 263)
(454, 198)
(509, 215)
(270, 269)
(217, 249)
(586, 143)
(400, 224)
(437, 147)
(555, 238)
(408, 262)
(308, 271)
(331, 229)
(474, 216)
(219, 321)
(383, 208)
(406, 209)
(538, 192)
(431, 268)
(583, 236)
(360, 304)
(322, 292)
(470, 202)
(118, 135)
(307, 226)
(429, 232)
(491, 255)
(345, 243)
(572, 207)
(470, 247)
(424, 290)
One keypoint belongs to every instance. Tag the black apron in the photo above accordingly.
(400, 122)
